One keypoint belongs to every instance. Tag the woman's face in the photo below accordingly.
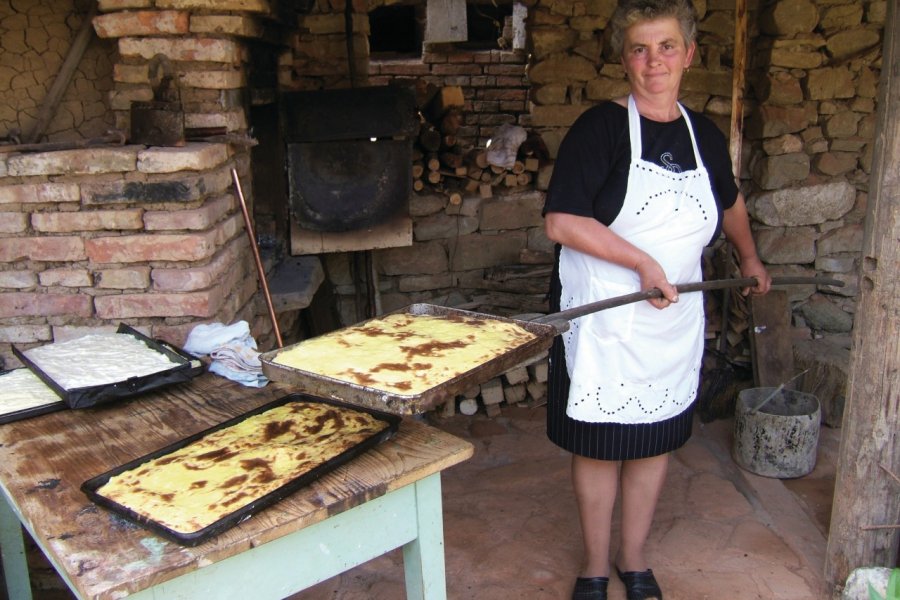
(654, 56)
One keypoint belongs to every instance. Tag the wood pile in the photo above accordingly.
(727, 360)
(443, 162)
(523, 385)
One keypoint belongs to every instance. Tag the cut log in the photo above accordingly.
(468, 406)
(448, 97)
(451, 159)
(452, 121)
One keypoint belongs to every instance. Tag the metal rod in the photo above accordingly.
(259, 266)
(699, 286)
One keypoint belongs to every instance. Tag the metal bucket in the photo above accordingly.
(780, 438)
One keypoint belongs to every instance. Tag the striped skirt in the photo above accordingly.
(607, 441)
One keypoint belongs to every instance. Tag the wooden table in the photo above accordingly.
(386, 498)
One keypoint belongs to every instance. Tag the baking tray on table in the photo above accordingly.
(408, 404)
(186, 367)
(91, 486)
(32, 411)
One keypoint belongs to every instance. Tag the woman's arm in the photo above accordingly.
(736, 226)
(589, 236)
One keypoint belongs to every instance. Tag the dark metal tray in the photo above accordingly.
(186, 368)
(403, 404)
(91, 486)
(27, 413)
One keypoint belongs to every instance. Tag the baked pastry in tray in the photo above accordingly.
(201, 486)
(405, 353)
(24, 395)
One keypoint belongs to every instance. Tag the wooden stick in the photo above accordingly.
(259, 266)
(64, 77)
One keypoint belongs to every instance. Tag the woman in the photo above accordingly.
(641, 185)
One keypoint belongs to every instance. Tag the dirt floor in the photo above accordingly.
(511, 527)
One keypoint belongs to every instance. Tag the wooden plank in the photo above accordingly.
(863, 529)
(391, 234)
(770, 340)
(445, 21)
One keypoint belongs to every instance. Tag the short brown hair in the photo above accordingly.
(629, 12)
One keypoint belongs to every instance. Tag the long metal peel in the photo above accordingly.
(561, 319)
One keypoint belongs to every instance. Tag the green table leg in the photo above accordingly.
(12, 547)
(423, 557)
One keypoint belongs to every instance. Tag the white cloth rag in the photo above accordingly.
(232, 350)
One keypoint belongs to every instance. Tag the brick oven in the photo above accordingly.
(94, 233)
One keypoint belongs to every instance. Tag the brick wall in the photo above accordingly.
(494, 84)
(91, 238)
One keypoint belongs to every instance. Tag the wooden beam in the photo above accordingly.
(866, 497)
(738, 78)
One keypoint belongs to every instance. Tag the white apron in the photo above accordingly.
(635, 363)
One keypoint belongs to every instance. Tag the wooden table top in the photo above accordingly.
(44, 460)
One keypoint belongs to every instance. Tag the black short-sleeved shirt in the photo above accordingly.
(590, 176)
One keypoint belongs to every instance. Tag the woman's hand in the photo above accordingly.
(653, 276)
(753, 267)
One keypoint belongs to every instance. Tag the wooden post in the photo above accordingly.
(864, 516)
(737, 86)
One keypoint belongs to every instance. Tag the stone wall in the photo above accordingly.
(35, 38)
(810, 107)
(808, 139)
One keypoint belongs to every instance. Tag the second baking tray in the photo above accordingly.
(91, 486)
(184, 368)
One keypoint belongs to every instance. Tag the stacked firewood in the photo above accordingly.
(443, 161)
(523, 385)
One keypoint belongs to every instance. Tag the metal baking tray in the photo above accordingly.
(186, 368)
(33, 411)
(244, 512)
(407, 404)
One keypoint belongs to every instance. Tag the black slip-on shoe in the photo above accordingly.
(640, 585)
(590, 588)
